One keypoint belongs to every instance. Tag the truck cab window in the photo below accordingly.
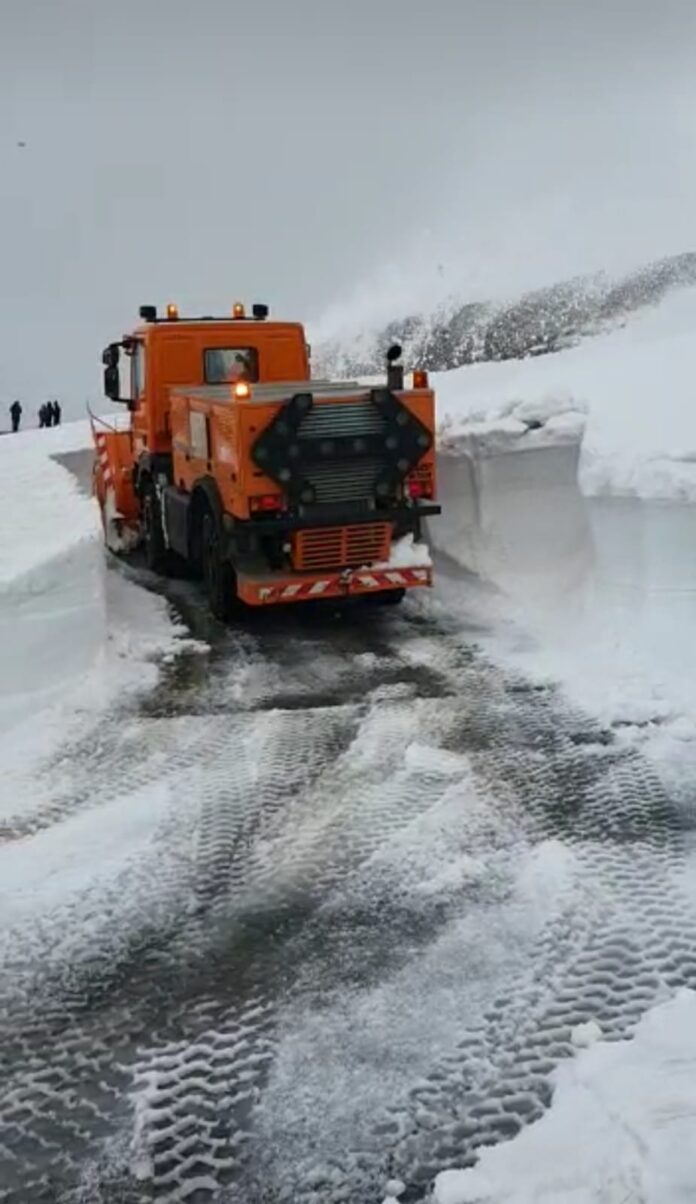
(225, 364)
(137, 371)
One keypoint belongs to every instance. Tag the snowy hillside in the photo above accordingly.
(464, 330)
(635, 385)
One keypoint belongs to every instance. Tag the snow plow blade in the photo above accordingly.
(113, 487)
(515, 516)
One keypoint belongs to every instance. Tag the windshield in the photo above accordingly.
(222, 364)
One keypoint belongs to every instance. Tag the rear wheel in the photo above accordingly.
(389, 597)
(218, 574)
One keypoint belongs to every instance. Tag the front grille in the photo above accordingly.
(336, 418)
(344, 480)
(340, 547)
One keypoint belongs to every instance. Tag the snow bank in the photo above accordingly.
(514, 425)
(631, 393)
(621, 1127)
(72, 636)
(46, 512)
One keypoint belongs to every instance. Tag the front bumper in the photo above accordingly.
(271, 589)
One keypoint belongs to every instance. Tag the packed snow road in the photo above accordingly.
(318, 910)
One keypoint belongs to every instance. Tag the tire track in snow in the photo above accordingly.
(633, 937)
(157, 949)
(115, 991)
(288, 899)
(285, 882)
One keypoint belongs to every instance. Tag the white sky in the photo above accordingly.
(306, 153)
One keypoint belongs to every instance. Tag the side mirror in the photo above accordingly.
(394, 353)
(112, 382)
(111, 355)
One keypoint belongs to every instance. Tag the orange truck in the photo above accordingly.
(272, 486)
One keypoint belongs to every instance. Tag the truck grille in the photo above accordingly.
(344, 480)
(336, 418)
(340, 547)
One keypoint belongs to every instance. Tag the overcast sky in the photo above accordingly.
(349, 158)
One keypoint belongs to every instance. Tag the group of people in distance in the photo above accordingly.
(50, 414)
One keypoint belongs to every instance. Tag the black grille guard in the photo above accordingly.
(330, 516)
(284, 454)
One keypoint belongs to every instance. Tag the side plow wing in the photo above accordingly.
(113, 487)
(515, 516)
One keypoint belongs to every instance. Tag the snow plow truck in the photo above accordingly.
(274, 487)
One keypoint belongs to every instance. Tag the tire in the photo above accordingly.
(389, 597)
(157, 554)
(218, 574)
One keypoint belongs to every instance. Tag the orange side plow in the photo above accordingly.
(113, 486)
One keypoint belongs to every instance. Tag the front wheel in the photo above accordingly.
(157, 554)
(218, 574)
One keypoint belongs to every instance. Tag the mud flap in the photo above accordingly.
(514, 516)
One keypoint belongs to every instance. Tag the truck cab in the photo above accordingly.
(171, 352)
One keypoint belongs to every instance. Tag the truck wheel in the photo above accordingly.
(389, 597)
(218, 574)
(157, 554)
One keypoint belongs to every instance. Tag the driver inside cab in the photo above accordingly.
(240, 369)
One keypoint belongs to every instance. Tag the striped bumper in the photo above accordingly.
(281, 588)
